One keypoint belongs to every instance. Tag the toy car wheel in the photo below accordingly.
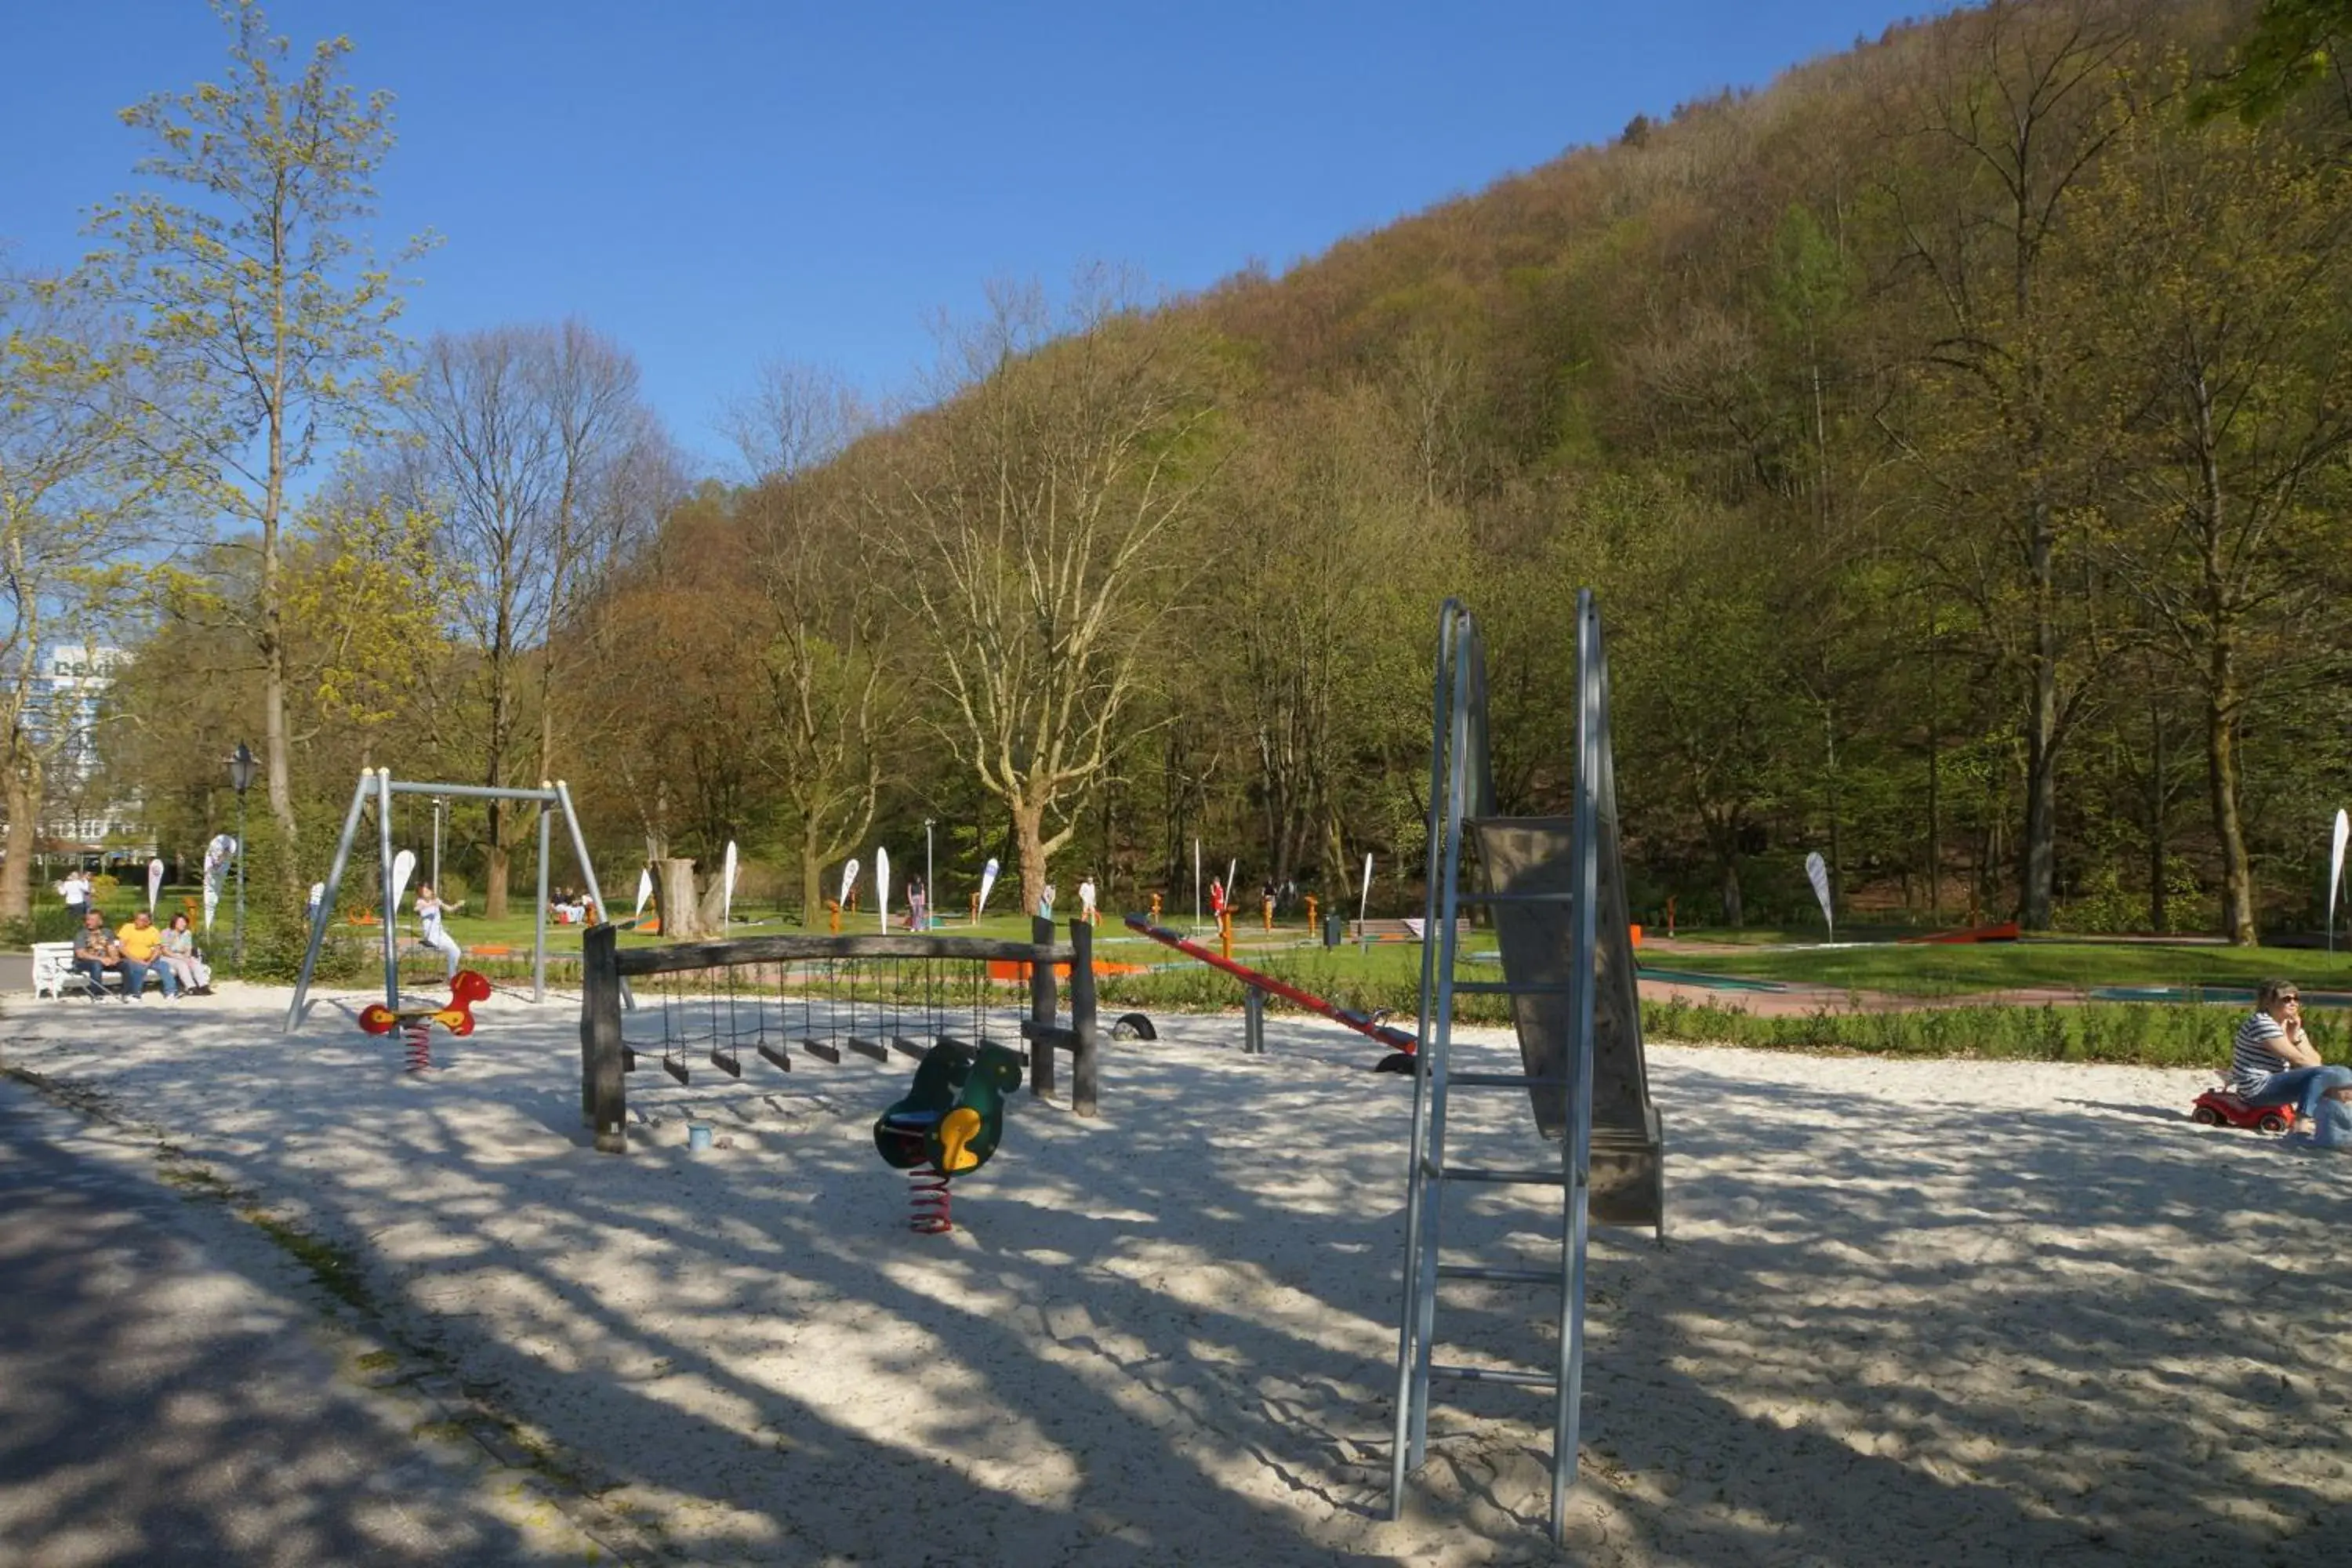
(1396, 1062)
(2273, 1122)
(2206, 1116)
(1133, 1026)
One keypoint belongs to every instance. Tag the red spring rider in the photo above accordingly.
(466, 988)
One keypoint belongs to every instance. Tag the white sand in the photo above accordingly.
(1910, 1312)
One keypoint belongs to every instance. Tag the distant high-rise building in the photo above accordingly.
(68, 692)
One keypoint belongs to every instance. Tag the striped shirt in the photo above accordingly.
(2254, 1053)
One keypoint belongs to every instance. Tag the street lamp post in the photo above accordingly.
(240, 777)
(929, 892)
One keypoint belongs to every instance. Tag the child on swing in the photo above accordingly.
(429, 910)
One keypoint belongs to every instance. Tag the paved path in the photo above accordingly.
(170, 1393)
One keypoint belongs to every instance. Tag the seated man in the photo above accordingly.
(141, 947)
(2271, 1061)
(95, 951)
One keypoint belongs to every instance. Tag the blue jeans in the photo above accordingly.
(2299, 1086)
(94, 970)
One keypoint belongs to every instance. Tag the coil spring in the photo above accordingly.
(419, 1034)
(927, 1201)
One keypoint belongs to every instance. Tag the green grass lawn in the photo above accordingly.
(1954, 969)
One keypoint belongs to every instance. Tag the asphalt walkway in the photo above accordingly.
(172, 1393)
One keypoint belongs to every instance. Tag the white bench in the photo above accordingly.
(53, 971)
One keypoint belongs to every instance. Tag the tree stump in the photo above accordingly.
(681, 912)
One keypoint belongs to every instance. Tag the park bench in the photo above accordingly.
(53, 971)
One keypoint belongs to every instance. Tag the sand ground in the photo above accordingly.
(1950, 1312)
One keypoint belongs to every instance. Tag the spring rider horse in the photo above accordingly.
(466, 988)
(948, 1125)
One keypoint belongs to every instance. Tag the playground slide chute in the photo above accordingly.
(1395, 1039)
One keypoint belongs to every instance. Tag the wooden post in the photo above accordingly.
(603, 1091)
(1084, 1068)
(1313, 928)
(1041, 1005)
(1225, 934)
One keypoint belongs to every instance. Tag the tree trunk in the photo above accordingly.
(714, 903)
(24, 805)
(2159, 916)
(812, 878)
(2222, 776)
(496, 862)
(681, 913)
(1029, 844)
(1734, 914)
(2038, 853)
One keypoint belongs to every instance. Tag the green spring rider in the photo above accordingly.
(948, 1125)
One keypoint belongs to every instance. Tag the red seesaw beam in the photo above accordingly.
(1395, 1039)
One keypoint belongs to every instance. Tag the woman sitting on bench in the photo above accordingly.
(2271, 1061)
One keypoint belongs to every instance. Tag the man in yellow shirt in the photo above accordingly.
(141, 943)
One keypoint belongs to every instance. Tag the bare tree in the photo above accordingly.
(542, 465)
(834, 704)
(1034, 525)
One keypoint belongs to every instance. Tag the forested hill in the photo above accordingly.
(1956, 432)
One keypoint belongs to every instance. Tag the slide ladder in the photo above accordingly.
(1554, 889)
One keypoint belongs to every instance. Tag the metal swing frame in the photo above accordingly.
(381, 788)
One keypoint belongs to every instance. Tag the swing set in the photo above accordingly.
(381, 788)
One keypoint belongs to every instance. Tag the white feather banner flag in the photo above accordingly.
(2335, 871)
(882, 887)
(1817, 871)
(727, 892)
(217, 854)
(848, 880)
(154, 883)
(404, 866)
(645, 891)
(987, 882)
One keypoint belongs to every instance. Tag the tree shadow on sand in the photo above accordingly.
(1882, 1333)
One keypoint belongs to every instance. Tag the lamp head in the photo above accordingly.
(241, 768)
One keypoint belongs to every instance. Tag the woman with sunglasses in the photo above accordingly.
(2271, 1061)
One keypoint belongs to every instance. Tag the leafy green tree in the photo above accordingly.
(77, 503)
(2293, 46)
(2231, 379)
(264, 307)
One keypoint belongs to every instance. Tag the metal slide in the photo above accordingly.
(1555, 890)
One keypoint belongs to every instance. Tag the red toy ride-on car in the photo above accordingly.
(2220, 1108)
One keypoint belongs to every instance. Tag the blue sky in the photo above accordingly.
(715, 185)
